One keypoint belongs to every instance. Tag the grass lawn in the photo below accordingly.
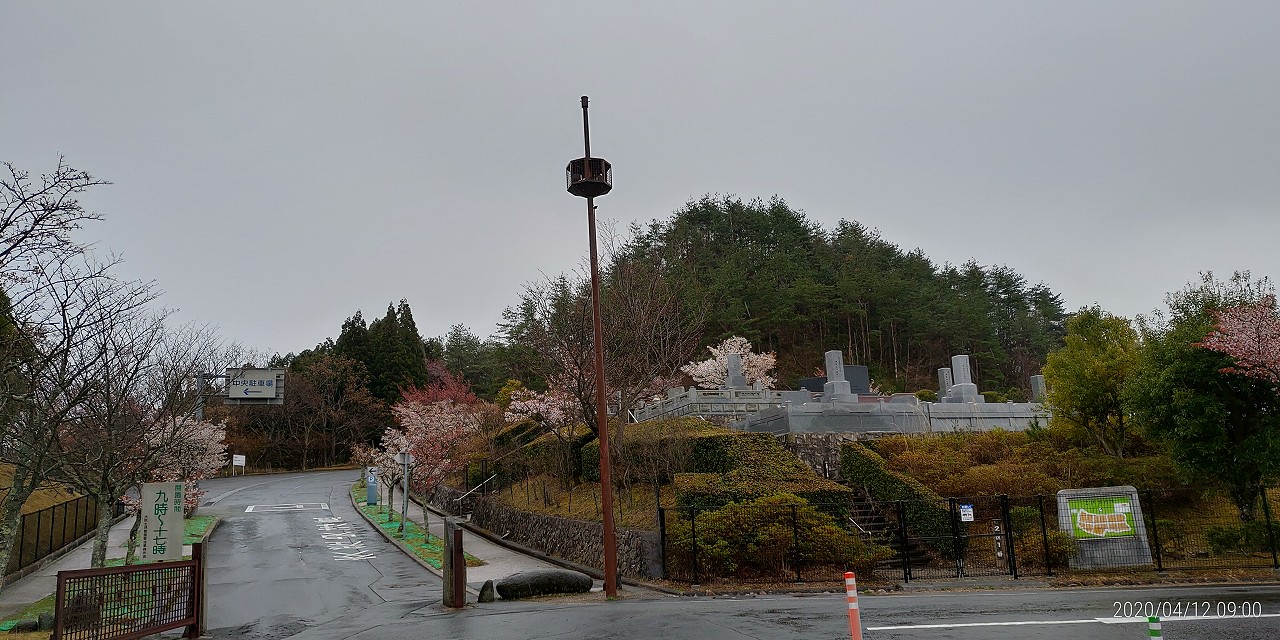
(428, 547)
(40, 499)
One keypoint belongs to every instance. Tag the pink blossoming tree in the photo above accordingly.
(1249, 333)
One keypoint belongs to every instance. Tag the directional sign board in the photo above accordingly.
(255, 386)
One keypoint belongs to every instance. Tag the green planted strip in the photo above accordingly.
(428, 547)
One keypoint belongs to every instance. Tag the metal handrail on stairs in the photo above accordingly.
(473, 489)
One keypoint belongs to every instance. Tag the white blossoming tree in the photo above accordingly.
(712, 372)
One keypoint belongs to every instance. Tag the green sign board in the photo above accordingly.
(1101, 517)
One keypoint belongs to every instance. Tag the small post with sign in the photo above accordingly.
(371, 487)
(237, 461)
(404, 458)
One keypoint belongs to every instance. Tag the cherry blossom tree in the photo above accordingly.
(556, 410)
(1249, 333)
(712, 372)
(432, 432)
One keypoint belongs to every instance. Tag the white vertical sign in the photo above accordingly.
(162, 530)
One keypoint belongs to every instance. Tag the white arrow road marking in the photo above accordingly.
(358, 555)
(305, 506)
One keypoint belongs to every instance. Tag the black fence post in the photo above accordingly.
(662, 539)
(693, 534)
(795, 541)
(902, 541)
(22, 541)
(1044, 537)
(37, 515)
(1271, 535)
(955, 538)
(1008, 535)
(1155, 532)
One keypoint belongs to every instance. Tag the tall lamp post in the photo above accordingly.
(590, 178)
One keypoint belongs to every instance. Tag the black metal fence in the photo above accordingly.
(43, 532)
(965, 537)
(1032, 536)
(132, 601)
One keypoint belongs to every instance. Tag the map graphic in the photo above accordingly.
(1101, 517)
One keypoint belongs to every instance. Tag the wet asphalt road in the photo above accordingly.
(273, 575)
(278, 570)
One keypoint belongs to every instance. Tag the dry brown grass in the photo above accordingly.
(634, 507)
(41, 499)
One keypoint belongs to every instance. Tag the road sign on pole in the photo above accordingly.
(255, 386)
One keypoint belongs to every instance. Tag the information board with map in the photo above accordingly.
(1107, 526)
(1101, 517)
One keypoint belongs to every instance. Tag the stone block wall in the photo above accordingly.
(578, 541)
(820, 451)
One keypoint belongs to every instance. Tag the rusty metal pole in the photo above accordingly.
(602, 412)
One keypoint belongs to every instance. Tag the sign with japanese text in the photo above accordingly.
(160, 537)
(262, 384)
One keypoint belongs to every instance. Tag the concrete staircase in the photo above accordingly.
(877, 527)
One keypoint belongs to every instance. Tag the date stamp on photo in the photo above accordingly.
(1172, 609)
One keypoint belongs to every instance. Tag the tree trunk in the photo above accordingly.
(132, 555)
(105, 512)
(11, 514)
(1245, 496)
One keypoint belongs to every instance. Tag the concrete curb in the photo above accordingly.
(403, 548)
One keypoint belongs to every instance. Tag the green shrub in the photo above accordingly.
(767, 537)
(1248, 537)
(927, 395)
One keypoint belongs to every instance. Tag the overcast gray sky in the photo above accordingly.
(277, 166)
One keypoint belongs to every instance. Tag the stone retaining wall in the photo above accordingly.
(578, 541)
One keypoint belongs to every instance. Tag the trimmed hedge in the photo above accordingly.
(754, 465)
(643, 438)
(518, 434)
(927, 513)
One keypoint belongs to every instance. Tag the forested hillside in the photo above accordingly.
(769, 274)
(718, 267)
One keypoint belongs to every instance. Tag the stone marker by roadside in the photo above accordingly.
(543, 582)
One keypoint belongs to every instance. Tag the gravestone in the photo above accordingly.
(1038, 390)
(944, 382)
(836, 385)
(735, 379)
(1107, 526)
(960, 370)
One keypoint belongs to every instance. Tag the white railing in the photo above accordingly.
(720, 402)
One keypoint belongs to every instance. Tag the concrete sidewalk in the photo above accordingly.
(500, 561)
(39, 584)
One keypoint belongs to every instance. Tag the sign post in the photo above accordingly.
(162, 530)
(371, 487)
(237, 461)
